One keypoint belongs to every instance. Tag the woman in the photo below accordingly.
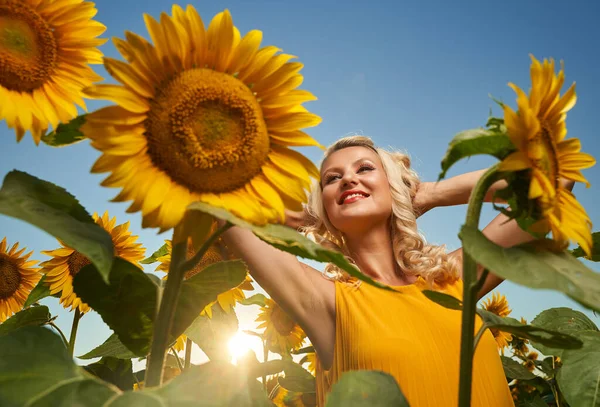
(366, 206)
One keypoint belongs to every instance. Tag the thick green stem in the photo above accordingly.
(76, 317)
(470, 289)
(188, 353)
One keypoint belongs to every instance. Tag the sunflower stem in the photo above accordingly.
(191, 263)
(62, 335)
(76, 317)
(188, 353)
(478, 336)
(265, 359)
(470, 289)
(179, 364)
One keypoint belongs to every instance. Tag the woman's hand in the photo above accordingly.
(422, 202)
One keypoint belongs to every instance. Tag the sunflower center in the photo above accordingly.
(28, 50)
(282, 322)
(10, 278)
(211, 256)
(542, 151)
(76, 262)
(205, 129)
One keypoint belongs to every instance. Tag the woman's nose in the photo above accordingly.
(349, 178)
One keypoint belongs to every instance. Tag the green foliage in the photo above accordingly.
(443, 299)
(54, 210)
(366, 389)
(288, 240)
(115, 371)
(27, 317)
(535, 268)
(578, 251)
(66, 133)
(476, 141)
(297, 379)
(579, 376)
(162, 251)
(256, 299)
(112, 347)
(515, 370)
(39, 292)
(212, 334)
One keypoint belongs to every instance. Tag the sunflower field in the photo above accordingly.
(201, 133)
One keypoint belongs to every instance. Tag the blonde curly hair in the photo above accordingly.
(413, 255)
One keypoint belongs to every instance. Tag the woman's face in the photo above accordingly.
(356, 192)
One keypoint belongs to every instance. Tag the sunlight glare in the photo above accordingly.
(240, 344)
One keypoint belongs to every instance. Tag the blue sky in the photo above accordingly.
(409, 74)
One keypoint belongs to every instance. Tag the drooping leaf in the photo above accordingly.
(579, 376)
(289, 240)
(366, 388)
(533, 333)
(578, 251)
(39, 292)
(564, 320)
(297, 378)
(256, 299)
(32, 316)
(306, 349)
(473, 142)
(127, 304)
(515, 370)
(534, 268)
(162, 251)
(66, 133)
(112, 347)
(54, 210)
(443, 299)
(115, 371)
(212, 334)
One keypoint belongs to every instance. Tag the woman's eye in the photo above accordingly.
(331, 178)
(365, 168)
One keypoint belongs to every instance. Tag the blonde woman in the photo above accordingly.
(366, 206)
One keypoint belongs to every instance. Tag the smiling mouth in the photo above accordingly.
(352, 197)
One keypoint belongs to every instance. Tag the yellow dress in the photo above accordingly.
(415, 340)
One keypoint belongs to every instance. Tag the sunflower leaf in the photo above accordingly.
(112, 370)
(529, 266)
(533, 333)
(578, 378)
(54, 210)
(289, 240)
(515, 370)
(256, 299)
(27, 317)
(66, 133)
(476, 141)
(212, 334)
(39, 292)
(112, 347)
(163, 250)
(297, 378)
(306, 349)
(366, 389)
(578, 251)
(443, 299)
(564, 320)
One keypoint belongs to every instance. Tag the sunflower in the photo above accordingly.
(519, 345)
(281, 333)
(180, 343)
(17, 278)
(498, 305)
(214, 254)
(538, 132)
(530, 361)
(203, 115)
(45, 49)
(67, 262)
(311, 359)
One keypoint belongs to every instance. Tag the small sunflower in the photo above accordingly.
(281, 333)
(67, 262)
(214, 254)
(311, 359)
(498, 305)
(203, 115)
(530, 361)
(18, 276)
(45, 49)
(538, 131)
(180, 343)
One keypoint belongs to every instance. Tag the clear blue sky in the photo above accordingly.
(408, 74)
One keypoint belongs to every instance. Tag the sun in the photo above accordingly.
(241, 343)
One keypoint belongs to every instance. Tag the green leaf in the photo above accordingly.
(366, 389)
(39, 292)
(115, 371)
(289, 240)
(52, 209)
(578, 251)
(535, 401)
(534, 268)
(443, 299)
(36, 371)
(66, 133)
(212, 334)
(476, 141)
(127, 304)
(162, 251)
(533, 333)
(112, 347)
(268, 368)
(256, 299)
(564, 320)
(579, 376)
(306, 349)
(515, 370)
(28, 317)
(297, 379)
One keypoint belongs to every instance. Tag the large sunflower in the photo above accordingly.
(45, 49)
(17, 278)
(203, 115)
(214, 254)
(67, 262)
(538, 132)
(281, 333)
(498, 305)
